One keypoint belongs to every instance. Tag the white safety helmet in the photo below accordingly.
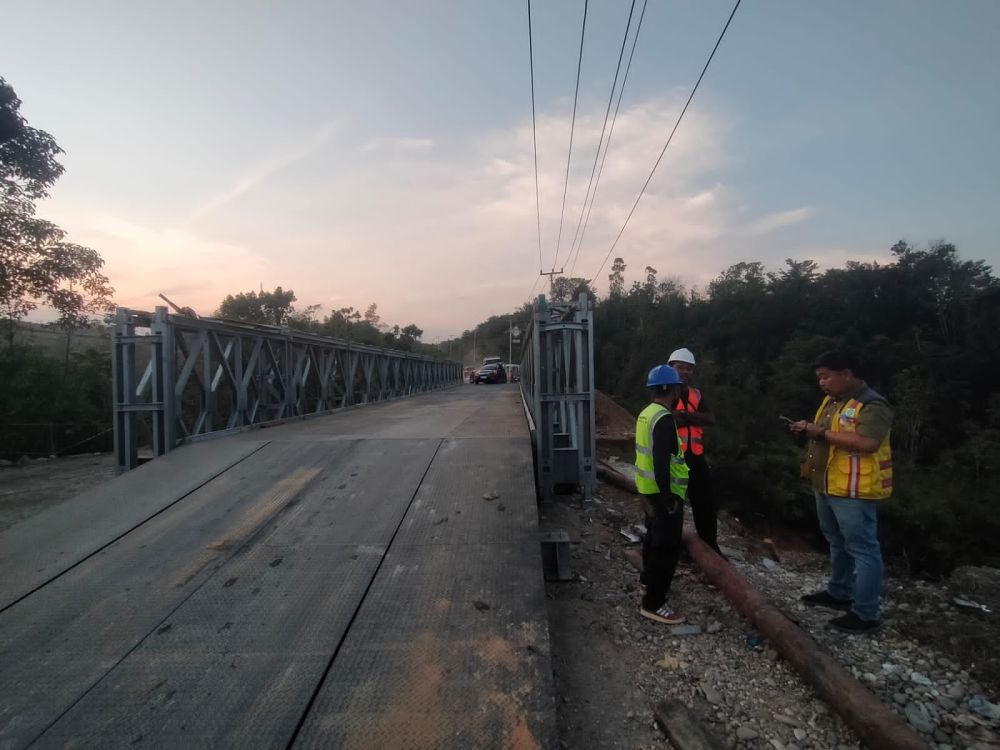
(681, 355)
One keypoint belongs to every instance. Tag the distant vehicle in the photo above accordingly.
(469, 374)
(493, 361)
(513, 372)
(492, 373)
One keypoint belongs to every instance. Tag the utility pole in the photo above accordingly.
(551, 274)
(510, 340)
(474, 332)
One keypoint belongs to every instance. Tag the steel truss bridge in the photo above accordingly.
(178, 379)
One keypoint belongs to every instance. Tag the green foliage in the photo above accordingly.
(54, 405)
(277, 309)
(925, 329)
(37, 264)
(265, 308)
(491, 338)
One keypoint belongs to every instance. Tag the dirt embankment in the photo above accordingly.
(44, 483)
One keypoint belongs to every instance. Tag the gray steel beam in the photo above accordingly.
(558, 390)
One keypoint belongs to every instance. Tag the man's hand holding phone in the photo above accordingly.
(793, 425)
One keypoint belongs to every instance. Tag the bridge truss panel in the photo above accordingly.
(179, 379)
(557, 385)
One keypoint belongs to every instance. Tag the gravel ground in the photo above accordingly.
(611, 666)
(43, 483)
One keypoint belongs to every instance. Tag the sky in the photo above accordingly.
(382, 151)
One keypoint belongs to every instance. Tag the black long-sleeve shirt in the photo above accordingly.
(664, 446)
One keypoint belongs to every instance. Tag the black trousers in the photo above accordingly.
(661, 547)
(702, 500)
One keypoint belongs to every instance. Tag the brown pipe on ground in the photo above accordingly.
(876, 724)
(606, 474)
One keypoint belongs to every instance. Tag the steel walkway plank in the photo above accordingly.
(236, 664)
(42, 547)
(57, 643)
(450, 648)
(447, 652)
(332, 589)
(477, 491)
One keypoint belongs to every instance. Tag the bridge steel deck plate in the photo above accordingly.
(326, 590)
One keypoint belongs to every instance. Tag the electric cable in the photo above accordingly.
(534, 140)
(611, 133)
(669, 139)
(572, 128)
(604, 126)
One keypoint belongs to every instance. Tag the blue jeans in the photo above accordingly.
(851, 528)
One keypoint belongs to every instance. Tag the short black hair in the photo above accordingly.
(836, 360)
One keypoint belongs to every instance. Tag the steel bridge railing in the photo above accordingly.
(190, 378)
(557, 385)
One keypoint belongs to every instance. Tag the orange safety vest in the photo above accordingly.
(691, 435)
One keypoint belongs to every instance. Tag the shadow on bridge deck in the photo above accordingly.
(337, 582)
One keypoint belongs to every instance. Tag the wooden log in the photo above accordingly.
(683, 728)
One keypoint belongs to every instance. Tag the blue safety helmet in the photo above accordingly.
(662, 375)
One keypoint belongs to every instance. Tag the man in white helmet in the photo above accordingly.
(691, 413)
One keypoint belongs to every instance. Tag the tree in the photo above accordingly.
(616, 278)
(37, 264)
(266, 308)
(565, 289)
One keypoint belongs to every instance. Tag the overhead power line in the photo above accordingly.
(614, 118)
(534, 140)
(669, 139)
(572, 127)
(604, 127)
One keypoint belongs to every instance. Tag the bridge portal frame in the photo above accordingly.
(557, 385)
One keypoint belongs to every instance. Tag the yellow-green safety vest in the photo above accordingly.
(645, 477)
(864, 476)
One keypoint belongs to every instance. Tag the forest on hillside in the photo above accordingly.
(925, 328)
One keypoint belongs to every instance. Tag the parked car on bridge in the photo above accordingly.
(492, 373)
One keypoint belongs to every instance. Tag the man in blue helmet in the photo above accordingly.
(661, 476)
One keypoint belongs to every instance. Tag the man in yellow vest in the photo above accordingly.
(692, 415)
(850, 464)
(661, 477)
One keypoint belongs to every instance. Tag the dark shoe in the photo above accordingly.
(824, 599)
(662, 614)
(851, 623)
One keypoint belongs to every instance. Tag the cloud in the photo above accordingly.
(441, 237)
(259, 173)
(143, 261)
(416, 235)
(398, 145)
(769, 222)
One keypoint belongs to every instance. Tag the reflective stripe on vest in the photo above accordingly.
(864, 476)
(691, 435)
(645, 475)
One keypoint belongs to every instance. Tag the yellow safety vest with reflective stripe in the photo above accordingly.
(645, 476)
(865, 476)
